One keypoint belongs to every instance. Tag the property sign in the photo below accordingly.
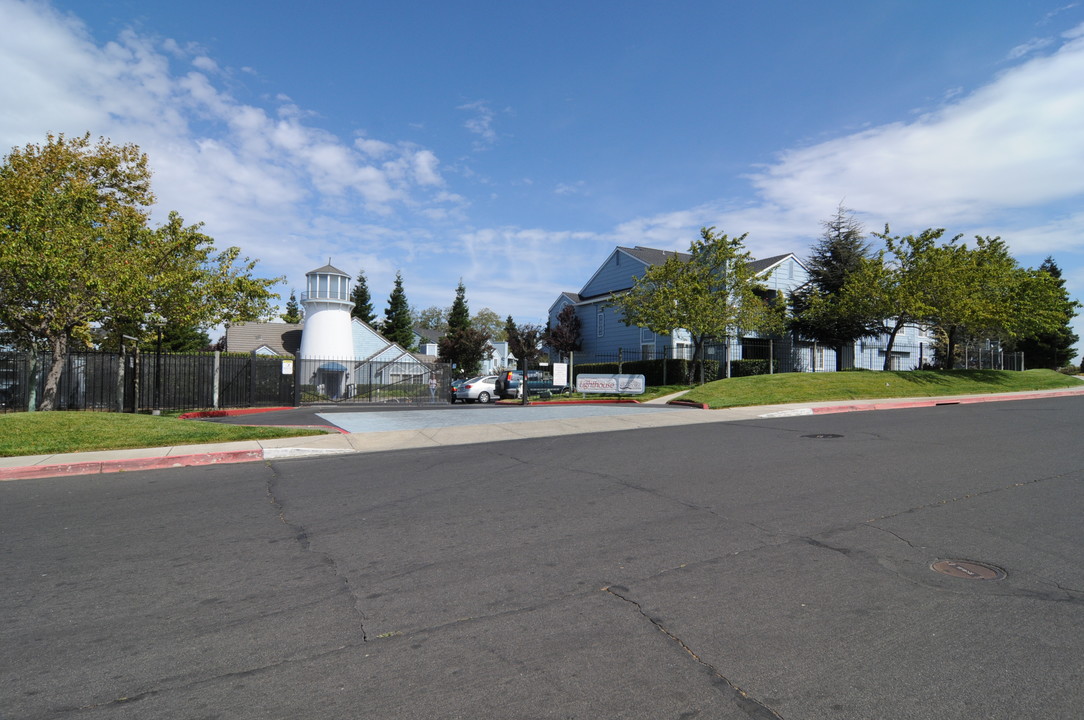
(611, 384)
(560, 374)
(287, 367)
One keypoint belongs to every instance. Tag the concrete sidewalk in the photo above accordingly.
(495, 426)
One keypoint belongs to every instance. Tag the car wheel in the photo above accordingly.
(483, 397)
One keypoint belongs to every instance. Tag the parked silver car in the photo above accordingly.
(481, 389)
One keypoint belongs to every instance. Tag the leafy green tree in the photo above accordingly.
(565, 336)
(398, 326)
(893, 285)
(431, 318)
(816, 313)
(956, 290)
(489, 322)
(524, 341)
(363, 303)
(293, 312)
(710, 295)
(76, 251)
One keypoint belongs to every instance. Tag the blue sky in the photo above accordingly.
(514, 144)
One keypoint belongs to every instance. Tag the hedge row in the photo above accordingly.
(675, 371)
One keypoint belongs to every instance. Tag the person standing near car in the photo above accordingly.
(432, 389)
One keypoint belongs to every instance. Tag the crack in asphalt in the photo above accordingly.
(747, 704)
(127, 699)
(302, 538)
(977, 494)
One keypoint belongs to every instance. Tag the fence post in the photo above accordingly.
(297, 382)
(216, 379)
(120, 378)
(137, 371)
(252, 378)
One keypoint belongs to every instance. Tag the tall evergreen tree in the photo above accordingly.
(1052, 349)
(293, 312)
(463, 345)
(459, 315)
(816, 312)
(363, 303)
(398, 326)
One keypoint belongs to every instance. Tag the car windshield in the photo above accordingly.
(472, 380)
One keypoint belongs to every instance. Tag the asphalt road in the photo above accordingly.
(759, 569)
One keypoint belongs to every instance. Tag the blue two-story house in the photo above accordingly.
(604, 334)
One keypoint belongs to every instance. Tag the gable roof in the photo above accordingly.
(653, 256)
(280, 338)
(432, 336)
(760, 266)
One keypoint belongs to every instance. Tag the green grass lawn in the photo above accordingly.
(44, 433)
(812, 387)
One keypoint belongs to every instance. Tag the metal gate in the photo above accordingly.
(403, 381)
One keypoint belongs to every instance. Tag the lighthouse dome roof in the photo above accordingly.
(328, 269)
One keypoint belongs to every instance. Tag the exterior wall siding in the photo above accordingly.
(615, 274)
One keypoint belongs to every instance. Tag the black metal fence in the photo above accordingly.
(133, 382)
(136, 382)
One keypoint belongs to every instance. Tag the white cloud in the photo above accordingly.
(1016, 143)
(1029, 47)
(480, 123)
(251, 175)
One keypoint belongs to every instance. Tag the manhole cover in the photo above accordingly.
(968, 569)
(822, 436)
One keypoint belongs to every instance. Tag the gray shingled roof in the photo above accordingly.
(651, 256)
(430, 335)
(761, 265)
(283, 338)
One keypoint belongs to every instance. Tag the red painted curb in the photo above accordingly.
(195, 415)
(31, 472)
(612, 401)
(942, 401)
(689, 403)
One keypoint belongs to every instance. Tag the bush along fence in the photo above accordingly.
(140, 382)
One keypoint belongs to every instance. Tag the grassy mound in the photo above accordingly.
(814, 387)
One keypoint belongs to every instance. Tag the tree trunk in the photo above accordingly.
(56, 368)
(891, 341)
(950, 355)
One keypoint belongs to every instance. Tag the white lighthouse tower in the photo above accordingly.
(327, 338)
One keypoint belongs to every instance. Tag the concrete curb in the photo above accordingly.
(110, 466)
(934, 402)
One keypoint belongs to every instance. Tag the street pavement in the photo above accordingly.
(759, 567)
